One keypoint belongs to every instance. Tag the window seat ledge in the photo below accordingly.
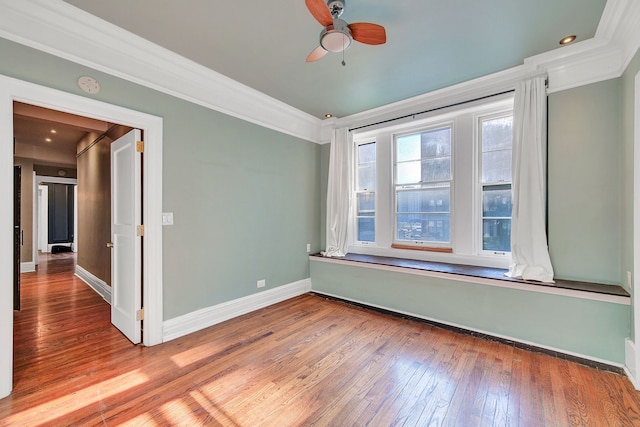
(485, 275)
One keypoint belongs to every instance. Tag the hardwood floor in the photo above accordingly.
(306, 361)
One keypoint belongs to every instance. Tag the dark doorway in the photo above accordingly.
(61, 214)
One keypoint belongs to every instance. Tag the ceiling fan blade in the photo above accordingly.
(320, 11)
(368, 33)
(317, 53)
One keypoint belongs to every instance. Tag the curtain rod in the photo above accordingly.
(432, 109)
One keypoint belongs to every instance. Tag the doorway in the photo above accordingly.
(15, 90)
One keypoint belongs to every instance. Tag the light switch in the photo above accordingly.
(167, 218)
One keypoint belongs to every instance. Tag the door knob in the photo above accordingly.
(110, 245)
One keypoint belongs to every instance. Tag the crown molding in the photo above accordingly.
(624, 29)
(604, 57)
(471, 89)
(619, 25)
(63, 30)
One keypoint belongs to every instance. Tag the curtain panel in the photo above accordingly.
(529, 250)
(339, 193)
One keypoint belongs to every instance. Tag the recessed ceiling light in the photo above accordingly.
(567, 40)
(328, 116)
(48, 139)
(53, 131)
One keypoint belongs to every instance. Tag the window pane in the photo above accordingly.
(365, 192)
(496, 202)
(431, 200)
(436, 169)
(367, 153)
(496, 235)
(497, 134)
(408, 172)
(366, 204)
(424, 157)
(425, 227)
(408, 148)
(436, 143)
(496, 199)
(496, 166)
(366, 230)
(367, 177)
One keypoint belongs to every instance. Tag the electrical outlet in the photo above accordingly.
(262, 283)
(629, 282)
(308, 247)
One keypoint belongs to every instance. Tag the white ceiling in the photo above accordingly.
(430, 44)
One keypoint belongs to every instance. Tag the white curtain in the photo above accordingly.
(529, 250)
(339, 194)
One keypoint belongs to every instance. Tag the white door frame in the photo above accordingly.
(38, 211)
(632, 348)
(17, 90)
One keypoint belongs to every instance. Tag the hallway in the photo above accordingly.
(62, 336)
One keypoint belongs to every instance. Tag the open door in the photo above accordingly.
(126, 236)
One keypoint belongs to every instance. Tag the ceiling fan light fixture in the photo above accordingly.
(335, 41)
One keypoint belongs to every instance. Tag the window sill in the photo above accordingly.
(484, 275)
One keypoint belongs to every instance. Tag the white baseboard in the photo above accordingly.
(27, 267)
(630, 359)
(203, 318)
(98, 285)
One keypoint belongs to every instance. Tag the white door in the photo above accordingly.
(126, 254)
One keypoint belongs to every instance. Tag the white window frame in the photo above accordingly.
(479, 184)
(465, 233)
(445, 124)
(354, 216)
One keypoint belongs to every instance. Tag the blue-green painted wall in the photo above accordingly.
(585, 176)
(585, 327)
(246, 199)
(627, 118)
(590, 205)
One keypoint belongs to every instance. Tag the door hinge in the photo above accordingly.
(140, 314)
(140, 146)
(140, 230)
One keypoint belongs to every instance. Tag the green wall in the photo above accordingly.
(627, 117)
(246, 199)
(584, 187)
(590, 207)
(585, 327)
(325, 151)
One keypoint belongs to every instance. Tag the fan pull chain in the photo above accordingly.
(343, 41)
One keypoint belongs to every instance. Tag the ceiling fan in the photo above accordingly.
(337, 35)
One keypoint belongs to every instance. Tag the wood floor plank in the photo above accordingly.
(305, 361)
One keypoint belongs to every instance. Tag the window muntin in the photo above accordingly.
(423, 165)
(495, 182)
(365, 192)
